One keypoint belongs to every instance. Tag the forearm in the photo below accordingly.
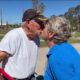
(3, 55)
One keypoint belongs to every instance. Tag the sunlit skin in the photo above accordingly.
(35, 28)
(48, 36)
(32, 29)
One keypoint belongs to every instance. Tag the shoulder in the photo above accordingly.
(53, 51)
(15, 31)
(12, 34)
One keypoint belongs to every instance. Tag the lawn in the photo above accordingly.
(74, 38)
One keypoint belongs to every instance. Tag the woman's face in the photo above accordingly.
(45, 33)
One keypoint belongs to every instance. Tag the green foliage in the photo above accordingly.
(73, 15)
(38, 5)
(43, 44)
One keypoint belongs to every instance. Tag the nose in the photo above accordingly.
(40, 32)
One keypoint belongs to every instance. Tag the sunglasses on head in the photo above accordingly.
(40, 20)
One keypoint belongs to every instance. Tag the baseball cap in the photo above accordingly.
(41, 20)
(33, 14)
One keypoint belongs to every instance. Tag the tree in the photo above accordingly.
(34, 4)
(73, 15)
(39, 6)
(77, 10)
(1, 18)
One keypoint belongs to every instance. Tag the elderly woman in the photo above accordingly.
(63, 59)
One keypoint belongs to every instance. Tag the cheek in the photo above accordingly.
(45, 32)
(33, 29)
(44, 35)
(36, 32)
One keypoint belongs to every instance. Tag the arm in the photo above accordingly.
(8, 45)
(4, 75)
(3, 55)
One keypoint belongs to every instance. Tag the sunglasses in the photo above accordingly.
(40, 21)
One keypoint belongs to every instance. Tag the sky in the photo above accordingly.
(12, 10)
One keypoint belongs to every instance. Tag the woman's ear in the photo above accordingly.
(51, 35)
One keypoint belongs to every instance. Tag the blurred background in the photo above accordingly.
(11, 12)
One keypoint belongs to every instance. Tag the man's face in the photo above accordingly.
(34, 28)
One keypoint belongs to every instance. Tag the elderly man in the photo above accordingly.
(63, 59)
(18, 49)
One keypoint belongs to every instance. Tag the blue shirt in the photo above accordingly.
(63, 63)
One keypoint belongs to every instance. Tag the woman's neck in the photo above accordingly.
(50, 43)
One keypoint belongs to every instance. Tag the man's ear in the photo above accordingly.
(27, 21)
(27, 24)
(51, 35)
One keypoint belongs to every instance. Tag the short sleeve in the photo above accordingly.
(8, 43)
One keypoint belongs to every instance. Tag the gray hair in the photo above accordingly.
(61, 28)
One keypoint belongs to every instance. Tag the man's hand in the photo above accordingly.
(4, 75)
(1, 77)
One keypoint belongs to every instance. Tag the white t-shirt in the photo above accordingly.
(22, 61)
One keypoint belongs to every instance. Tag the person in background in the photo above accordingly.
(63, 60)
(18, 48)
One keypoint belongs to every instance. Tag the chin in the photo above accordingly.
(31, 38)
(49, 44)
(44, 38)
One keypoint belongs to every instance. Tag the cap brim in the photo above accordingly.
(43, 19)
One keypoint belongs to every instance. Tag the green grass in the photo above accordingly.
(74, 41)
(43, 44)
(76, 34)
(1, 36)
(3, 31)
